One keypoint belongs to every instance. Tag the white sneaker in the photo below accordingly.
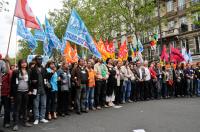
(36, 122)
(44, 121)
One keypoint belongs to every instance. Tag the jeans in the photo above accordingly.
(40, 99)
(198, 87)
(90, 97)
(126, 90)
(81, 97)
(20, 105)
(164, 90)
(189, 87)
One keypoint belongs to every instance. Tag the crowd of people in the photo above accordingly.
(36, 93)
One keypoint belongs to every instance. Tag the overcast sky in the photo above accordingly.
(39, 8)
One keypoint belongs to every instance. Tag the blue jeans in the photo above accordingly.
(198, 87)
(39, 100)
(126, 90)
(164, 90)
(81, 97)
(189, 87)
(90, 97)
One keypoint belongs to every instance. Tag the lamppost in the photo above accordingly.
(159, 21)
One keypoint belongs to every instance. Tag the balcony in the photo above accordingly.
(195, 27)
(170, 32)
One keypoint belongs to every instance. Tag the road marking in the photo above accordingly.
(139, 130)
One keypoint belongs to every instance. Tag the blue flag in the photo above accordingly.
(54, 42)
(26, 34)
(77, 32)
(39, 34)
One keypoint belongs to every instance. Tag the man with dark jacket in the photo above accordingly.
(80, 77)
(38, 79)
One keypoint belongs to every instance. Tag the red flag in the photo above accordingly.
(123, 51)
(23, 11)
(164, 56)
(175, 55)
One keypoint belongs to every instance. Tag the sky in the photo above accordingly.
(40, 8)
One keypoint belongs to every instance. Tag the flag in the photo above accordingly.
(109, 46)
(140, 46)
(39, 34)
(26, 34)
(101, 47)
(175, 55)
(154, 41)
(187, 56)
(70, 54)
(77, 32)
(139, 56)
(23, 11)
(53, 40)
(164, 56)
(123, 51)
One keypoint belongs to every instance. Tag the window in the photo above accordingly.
(183, 20)
(170, 25)
(185, 44)
(197, 43)
(183, 24)
(181, 4)
(170, 6)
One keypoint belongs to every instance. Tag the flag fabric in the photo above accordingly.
(53, 40)
(39, 34)
(110, 48)
(187, 56)
(175, 55)
(101, 48)
(23, 11)
(70, 54)
(139, 56)
(77, 32)
(123, 52)
(164, 55)
(140, 46)
(26, 34)
(154, 41)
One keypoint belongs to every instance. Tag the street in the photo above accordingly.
(170, 115)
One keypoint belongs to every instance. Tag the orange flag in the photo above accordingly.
(74, 54)
(123, 52)
(70, 54)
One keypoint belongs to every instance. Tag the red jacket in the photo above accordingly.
(153, 73)
(5, 89)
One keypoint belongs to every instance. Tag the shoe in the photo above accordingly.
(7, 125)
(98, 108)
(84, 111)
(93, 108)
(27, 124)
(55, 115)
(130, 101)
(67, 114)
(49, 116)
(63, 115)
(109, 104)
(87, 110)
(44, 121)
(106, 106)
(78, 112)
(123, 102)
(15, 128)
(36, 122)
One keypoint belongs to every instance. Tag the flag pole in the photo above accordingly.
(13, 18)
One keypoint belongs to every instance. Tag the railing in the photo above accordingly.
(195, 27)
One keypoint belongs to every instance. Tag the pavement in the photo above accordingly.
(167, 115)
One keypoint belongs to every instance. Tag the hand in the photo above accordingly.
(29, 93)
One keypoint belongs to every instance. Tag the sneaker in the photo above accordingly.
(36, 122)
(93, 108)
(123, 102)
(130, 101)
(44, 121)
(78, 112)
(15, 128)
(27, 124)
(106, 106)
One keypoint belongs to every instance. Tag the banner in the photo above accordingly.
(77, 33)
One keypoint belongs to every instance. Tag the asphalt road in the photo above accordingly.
(169, 115)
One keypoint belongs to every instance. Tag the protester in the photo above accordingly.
(101, 78)
(65, 86)
(20, 84)
(80, 76)
(112, 82)
(52, 89)
(91, 87)
(38, 78)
